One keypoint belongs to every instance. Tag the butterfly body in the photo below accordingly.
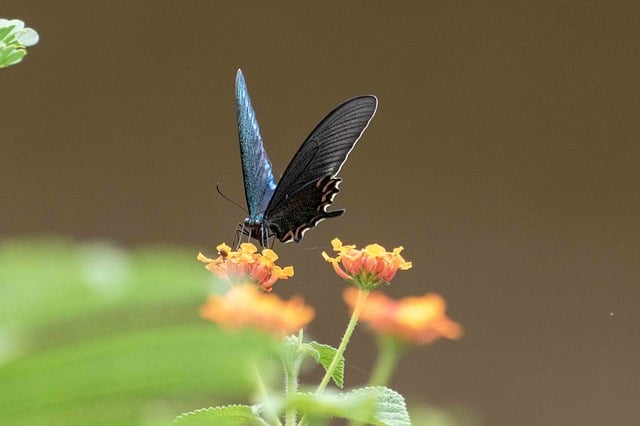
(299, 201)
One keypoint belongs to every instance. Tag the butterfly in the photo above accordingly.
(298, 202)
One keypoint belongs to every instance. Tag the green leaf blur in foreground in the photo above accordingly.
(95, 334)
(14, 37)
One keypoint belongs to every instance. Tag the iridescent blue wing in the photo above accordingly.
(309, 183)
(259, 183)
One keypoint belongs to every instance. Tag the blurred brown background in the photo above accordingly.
(503, 157)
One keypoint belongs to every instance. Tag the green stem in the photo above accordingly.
(357, 310)
(262, 391)
(292, 387)
(362, 296)
(389, 350)
(291, 364)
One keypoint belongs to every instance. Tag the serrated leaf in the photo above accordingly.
(225, 416)
(328, 404)
(378, 406)
(390, 406)
(326, 355)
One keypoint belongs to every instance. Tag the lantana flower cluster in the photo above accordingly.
(251, 276)
(417, 320)
(246, 264)
(368, 268)
(246, 305)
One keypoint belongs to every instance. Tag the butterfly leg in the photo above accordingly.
(266, 236)
(240, 231)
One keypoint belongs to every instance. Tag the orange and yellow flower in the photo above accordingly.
(368, 268)
(418, 320)
(247, 265)
(246, 306)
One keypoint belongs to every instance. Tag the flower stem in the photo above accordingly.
(357, 310)
(389, 350)
(292, 388)
(262, 391)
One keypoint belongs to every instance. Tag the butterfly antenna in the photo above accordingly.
(229, 199)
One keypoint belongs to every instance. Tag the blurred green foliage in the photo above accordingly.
(94, 334)
(14, 38)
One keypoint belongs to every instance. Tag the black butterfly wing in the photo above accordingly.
(259, 183)
(309, 183)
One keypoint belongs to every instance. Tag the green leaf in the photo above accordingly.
(97, 334)
(49, 281)
(390, 406)
(224, 416)
(131, 369)
(14, 37)
(12, 58)
(4, 31)
(326, 354)
(378, 406)
(6, 51)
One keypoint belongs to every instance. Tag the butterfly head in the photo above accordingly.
(254, 229)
